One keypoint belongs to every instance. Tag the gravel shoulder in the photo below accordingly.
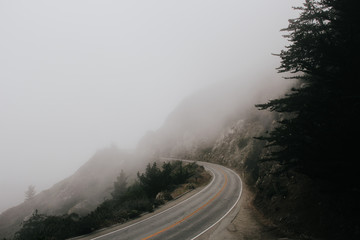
(244, 222)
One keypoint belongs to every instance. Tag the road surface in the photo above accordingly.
(190, 218)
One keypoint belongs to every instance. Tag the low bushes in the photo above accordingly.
(128, 202)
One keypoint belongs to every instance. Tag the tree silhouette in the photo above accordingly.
(316, 136)
(318, 127)
(120, 186)
(30, 192)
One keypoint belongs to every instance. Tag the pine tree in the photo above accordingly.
(318, 134)
(30, 193)
(120, 186)
(319, 121)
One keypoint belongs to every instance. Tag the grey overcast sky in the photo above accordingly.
(80, 75)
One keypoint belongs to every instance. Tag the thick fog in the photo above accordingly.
(77, 76)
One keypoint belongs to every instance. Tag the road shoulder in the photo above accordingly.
(244, 222)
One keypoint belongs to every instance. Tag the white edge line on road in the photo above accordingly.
(159, 212)
(226, 212)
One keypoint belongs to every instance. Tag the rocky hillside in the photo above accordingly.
(199, 120)
(199, 129)
(219, 125)
(291, 202)
(79, 193)
(216, 124)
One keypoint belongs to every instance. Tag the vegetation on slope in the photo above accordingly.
(305, 179)
(151, 189)
(320, 115)
(79, 193)
(324, 109)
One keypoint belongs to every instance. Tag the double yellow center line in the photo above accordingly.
(194, 212)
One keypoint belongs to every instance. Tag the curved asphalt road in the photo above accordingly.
(192, 217)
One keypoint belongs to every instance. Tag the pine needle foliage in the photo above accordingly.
(318, 131)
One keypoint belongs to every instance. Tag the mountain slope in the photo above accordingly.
(219, 117)
(80, 193)
(287, 198)
(200, 118)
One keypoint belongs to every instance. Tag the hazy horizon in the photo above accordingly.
(78, 76)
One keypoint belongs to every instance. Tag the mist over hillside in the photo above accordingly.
(77, 76)
(80, 193)
(196, 122)
(200, 118)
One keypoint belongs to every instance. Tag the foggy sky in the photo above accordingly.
(77, 76)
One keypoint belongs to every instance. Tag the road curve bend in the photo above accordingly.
(192, 217)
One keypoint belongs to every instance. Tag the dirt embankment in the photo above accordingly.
(244, 223)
